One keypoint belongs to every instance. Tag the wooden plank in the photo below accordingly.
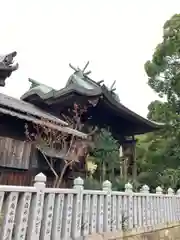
(14, 153)
(2, 147)
(11, 153)
(33, 163)
(5, 151)
(26, 154)
(18, 148)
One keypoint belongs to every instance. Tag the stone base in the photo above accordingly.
(159, 232)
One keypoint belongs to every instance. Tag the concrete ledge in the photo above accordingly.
(158, 232)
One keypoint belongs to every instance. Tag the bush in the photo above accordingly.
(92, 184)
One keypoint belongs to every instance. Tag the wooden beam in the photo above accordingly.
(45, 123)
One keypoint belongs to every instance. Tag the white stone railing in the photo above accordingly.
(40, 213)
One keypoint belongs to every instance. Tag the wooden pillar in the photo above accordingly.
(134, 170)
(129, 166)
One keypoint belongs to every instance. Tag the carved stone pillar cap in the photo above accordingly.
(79, 181)
(159, 190)
(170, 191)
(40, 178)
(178, 192)
(107, 184)
(145, 188)
(128, 187)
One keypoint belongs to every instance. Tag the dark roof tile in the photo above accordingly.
(28, 108)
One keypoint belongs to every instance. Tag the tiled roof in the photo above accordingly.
(28, 112)
(28, 108)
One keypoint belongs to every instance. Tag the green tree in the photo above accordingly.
(106, 155)
(164, 68)
(159, 152)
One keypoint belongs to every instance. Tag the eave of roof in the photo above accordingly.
(120, 107)
(26, 111)
(91, 93)
(73, 88)
(54, 94)
(28, 108)
(43, 123)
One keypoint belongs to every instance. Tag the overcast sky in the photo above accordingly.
(116, 36)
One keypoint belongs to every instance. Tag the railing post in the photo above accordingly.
(158, 190)
(145, 189)
(9, 212)
(107, 205)
(161, 205)
(22, 214)
(174, 207)
(178, 205)
(158, 204)
(77, 207)
(145, 205)
(129, 190)
(171, 212)
(36, 210)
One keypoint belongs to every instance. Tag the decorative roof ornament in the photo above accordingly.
(34, 83)
(81, 71)
(7, 67)
(80, 78)
(112, 89)
(39, 86)
(79, 85)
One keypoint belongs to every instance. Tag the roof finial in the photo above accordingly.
(111, 88)
(75, 69)
(99, 82)
(34, 83)
(85, 66)
(7, 66)
(79, 70)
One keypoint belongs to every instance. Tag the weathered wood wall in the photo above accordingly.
(17, 178)
(14, 153)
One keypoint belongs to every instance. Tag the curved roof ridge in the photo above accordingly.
(35, 83)
(37, 88)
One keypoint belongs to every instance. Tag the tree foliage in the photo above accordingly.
(164, 68)
(159, 152)
(106, 155)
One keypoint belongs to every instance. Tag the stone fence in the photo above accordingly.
(40, 213)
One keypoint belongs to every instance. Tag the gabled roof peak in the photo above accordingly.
(81, 79)
(35, 83)
(7, 66)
